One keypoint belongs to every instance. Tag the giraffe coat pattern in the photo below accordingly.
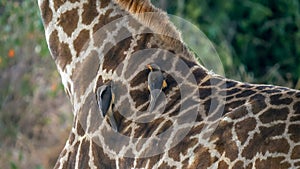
(95, 41)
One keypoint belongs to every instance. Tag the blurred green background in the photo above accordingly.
(35, 114)
(257, 40)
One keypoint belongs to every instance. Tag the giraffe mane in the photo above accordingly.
(156, 20)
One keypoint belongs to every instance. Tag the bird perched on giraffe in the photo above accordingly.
(105, 99)
(156, 82)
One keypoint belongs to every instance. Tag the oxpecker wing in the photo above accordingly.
(156, 82)
(105, 100)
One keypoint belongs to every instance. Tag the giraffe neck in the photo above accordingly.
(75, 30)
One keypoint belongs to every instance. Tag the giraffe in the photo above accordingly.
(203, 121)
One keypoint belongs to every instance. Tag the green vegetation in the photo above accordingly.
(27, 76)
(20, 25)
(257, 40)
(21, 33)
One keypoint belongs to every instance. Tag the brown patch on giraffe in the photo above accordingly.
(222, 165)
(258, 103)
(211, 105)
(196, 130)
(239, 112)
(190, 63)
(249, 166)
(229, 83)
(84, 154)
(46, 12)
(141, 77)
(171, 84)
(80, 130)
(296, 107)
(89, 12)
(165, 165)
(290, 93)
(203, 158)
(184, 140)
(126, 163)
(85, 72)
(120, 120)
(293, 130)
(147, 129)
(263, 142)
(99, 82)
(57, 4)
(229, 98)
(271, 115)
(297, 164)
(277, 100)
(72, 157)
(103, 20)
(296, 152)
(243, 128)
(262, 87)
(68, 21)
(165, 127)
(174, 100)
(116, 54)
(65, 56)
(245, 93)
(272, 162)
(185, 163)
(128, 130)
(232, 91)
(238, 165)
(103, 160)
(182, 148)
(143, 41)
(71, 138)
(152, 160)
(199, 74)
(271, 91)
(274, 130)
(81, 40)
(60, 51)
(104, 3)
(206, 92)
(224, 143)
(139, 96)
(295, 118)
